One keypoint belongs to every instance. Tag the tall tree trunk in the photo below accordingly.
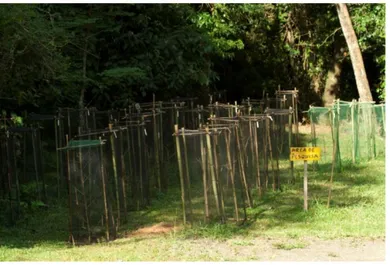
(356, 55)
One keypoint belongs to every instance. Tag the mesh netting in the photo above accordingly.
(355, 129)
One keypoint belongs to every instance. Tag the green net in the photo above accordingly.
(348, 131)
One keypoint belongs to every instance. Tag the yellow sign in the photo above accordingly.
(305, 153)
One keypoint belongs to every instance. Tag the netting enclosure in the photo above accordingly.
(355, 129)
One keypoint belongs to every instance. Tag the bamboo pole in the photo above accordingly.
(24, 156)
(212, 172)
(156, 151)
(115, 177)
(204, 174)
(270, 152)
(265, 150)
(9, 175)
(104, 190)
(35, 163)
(276, 180)
(252, 148)
(83, 192)
(187, 177)
(220, 190)
(258, 178)
(145, 164)
(123, 177)
(231, 173)
(242, 169)
(290, 143)
(16, 177)
(353, 131)
(333, 163)
(40, 152)
(141, 181)
(71, 238)
(56, 123)
(179, 161)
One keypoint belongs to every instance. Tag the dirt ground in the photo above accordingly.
(272, 249)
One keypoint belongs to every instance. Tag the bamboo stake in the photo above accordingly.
(56, 123)
(230, 170)
(145, 164)
(24, 155)
(141, 181)
(104, 190)
(265, 150)
(220, 190)
(156, 151)
(252, 148)
(333, 166)
(16, 177)
(179, 161)
(9, 175)
(353, 131)
(242, 169)
(277, 183)
(123, 177)
(187, 175)
(258, 182)
(212, 172)
(204, 174)
(270, 152)
(290, 143)
(41, 164)
(71, 238)
(35, 164)
(83, 192)
(115, 177)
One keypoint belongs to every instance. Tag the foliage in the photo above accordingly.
(109, 55)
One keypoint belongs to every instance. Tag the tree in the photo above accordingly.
(356, 55)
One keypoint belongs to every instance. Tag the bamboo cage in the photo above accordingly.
(211, 185)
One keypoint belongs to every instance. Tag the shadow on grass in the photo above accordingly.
(273, 210)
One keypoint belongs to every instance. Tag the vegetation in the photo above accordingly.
(357, 210)
(107, 55)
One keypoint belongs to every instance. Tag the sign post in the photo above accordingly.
(305, 154)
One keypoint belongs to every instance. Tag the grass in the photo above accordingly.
(289, 246)
(357, 210)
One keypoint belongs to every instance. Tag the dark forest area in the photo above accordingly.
(107, 56)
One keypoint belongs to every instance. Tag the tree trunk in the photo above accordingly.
(332, 85)
(356, 55)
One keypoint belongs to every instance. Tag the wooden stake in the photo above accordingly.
(204, 174)
(305, 201)
(83, 192)
(242, 169)
(104, 190)
(212, 172)
(257, 160)
(123, 177)
(35, 163)
(113, 156)
(187, 175)
(71, 238)
(231, 173)
(179, 161)
(270, 152)
(141, 181)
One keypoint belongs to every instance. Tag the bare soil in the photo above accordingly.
(270, 249)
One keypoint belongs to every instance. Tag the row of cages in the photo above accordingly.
(109, 163)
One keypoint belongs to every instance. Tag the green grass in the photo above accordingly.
(289, 246)
(357, 210)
